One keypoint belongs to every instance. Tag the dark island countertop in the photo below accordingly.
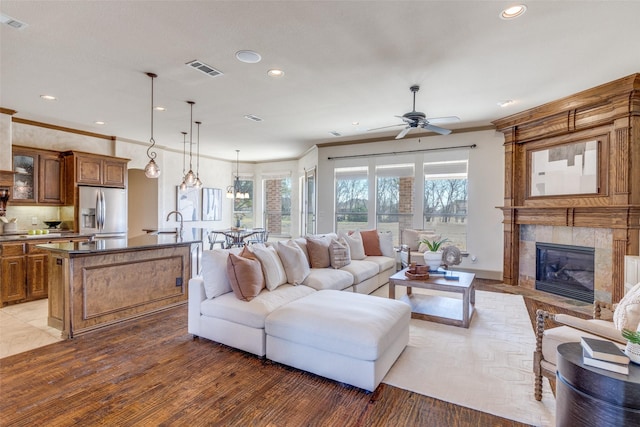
(119, 244)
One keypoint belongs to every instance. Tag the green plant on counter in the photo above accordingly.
(435, 244)
(631, 336)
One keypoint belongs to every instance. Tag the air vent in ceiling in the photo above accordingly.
(253, 118)
(335, 133)
(202, 67)
(14, 23)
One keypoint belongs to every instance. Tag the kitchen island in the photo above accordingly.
(105, 281)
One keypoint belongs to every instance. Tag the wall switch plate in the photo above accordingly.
(34, 220)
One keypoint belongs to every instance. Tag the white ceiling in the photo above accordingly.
(344, 62)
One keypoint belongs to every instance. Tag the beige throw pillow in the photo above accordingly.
(294, 261)
(214, 272)
(627, 313)
(318, 249)
(272, 268)
(339, 253)
(245, 275)
(356, 246)
(410, 238)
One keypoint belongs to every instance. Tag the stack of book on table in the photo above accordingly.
(604, 355)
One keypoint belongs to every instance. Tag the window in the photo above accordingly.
(352, 197)
(243, 208)
(394, 198)
(445, 200)
(277, 202)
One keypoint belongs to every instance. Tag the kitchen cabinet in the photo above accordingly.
(38, 177)
(13, 273)
(91, 169)
(24, 269)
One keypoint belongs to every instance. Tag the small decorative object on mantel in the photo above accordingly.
(633, 345)
(417, 272)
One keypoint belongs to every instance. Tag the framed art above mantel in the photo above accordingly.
(565, 169)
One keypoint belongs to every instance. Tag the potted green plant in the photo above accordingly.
(433, 256)
(633, 345)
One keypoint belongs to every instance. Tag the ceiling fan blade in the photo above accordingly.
(449, 119)
(436, 129)
(403, 132)
(385, 127)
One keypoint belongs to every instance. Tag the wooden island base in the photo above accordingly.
(96, 287)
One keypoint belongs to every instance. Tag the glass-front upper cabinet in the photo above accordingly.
(25, 178)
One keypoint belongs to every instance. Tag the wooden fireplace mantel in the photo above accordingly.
(608, 114)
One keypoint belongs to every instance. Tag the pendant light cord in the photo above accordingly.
(151, 154)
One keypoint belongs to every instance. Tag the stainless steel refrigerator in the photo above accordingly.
(103, 211)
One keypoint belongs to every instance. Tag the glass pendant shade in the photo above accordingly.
(151, 170)
(190, 178)
(183, 186)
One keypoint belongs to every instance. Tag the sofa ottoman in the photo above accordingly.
(348, 337)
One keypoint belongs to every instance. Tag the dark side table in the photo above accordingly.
(588, 396)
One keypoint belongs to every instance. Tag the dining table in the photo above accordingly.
(237, 236)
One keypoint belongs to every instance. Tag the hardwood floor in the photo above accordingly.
(150, 371)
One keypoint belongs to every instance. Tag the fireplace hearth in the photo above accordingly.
(565, 270)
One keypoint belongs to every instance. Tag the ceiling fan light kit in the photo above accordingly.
(416, 119)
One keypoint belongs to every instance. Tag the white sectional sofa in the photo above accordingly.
(217, 313)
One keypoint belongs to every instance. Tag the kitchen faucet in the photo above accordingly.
(178, 215)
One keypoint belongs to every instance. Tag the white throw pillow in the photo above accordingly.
(272, 267)
(214, 272)
(294, 262)
(356, 247)
(386, 243)
(627, 313)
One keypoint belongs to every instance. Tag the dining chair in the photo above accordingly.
(259, 235)
(216, 238)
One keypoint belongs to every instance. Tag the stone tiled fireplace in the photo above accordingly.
(572, 177)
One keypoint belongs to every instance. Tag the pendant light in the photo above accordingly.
(233, 191)
(190, 177)
(198, 183)
(183, 185)
(151, 170)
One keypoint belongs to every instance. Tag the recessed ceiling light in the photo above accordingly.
(159, 108)
(48, 97)
(99, 122)
(513, 11)
(248, 56)
(505, 103)
(274, 72)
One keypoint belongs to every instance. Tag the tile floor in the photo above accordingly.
(24, 327)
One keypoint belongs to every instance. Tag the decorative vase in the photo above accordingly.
(633, 352)
(433, 259)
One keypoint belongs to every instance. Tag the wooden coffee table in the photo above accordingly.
(437, 308)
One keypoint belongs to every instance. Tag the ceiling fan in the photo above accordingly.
(416, 119)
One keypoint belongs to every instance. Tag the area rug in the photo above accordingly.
(487, 367)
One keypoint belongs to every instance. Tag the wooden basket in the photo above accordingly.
(416, 276)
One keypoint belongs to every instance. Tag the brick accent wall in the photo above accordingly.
(273, 205)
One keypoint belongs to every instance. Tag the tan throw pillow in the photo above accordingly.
(422, 247)
(355, 245)
(339, 253)
(627, 313)
(274, 274)
(318, 249)
(294, 261)
(246, 277)
(371, 242)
